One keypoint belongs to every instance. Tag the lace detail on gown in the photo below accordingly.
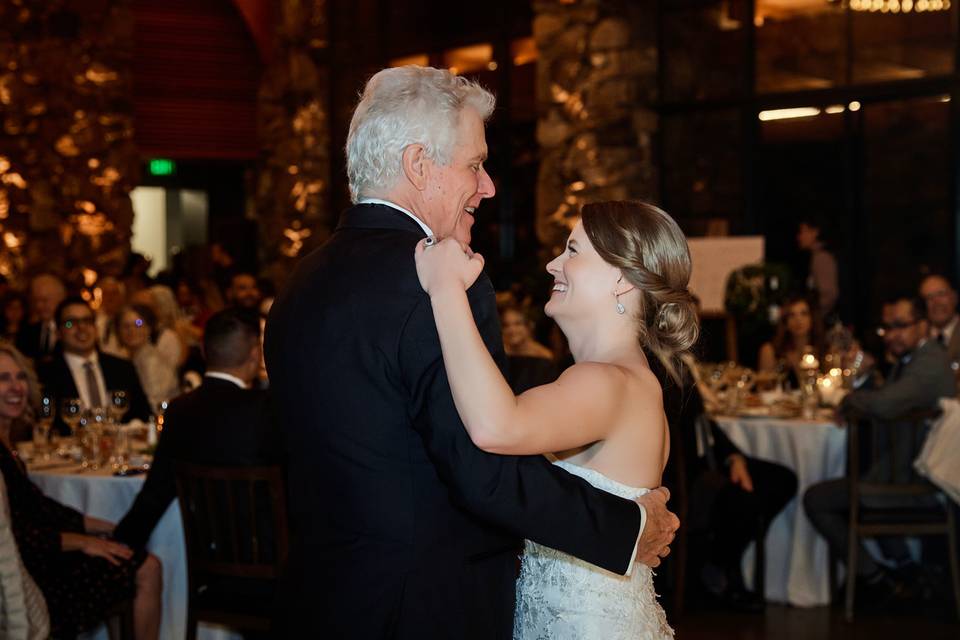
(560, 597)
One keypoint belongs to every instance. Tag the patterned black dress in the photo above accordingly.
(78, 588)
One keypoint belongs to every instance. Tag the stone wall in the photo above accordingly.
(293, 178)
(596, 90)
(67, 157)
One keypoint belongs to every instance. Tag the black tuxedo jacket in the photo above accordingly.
(118, 374)
(28, 342)
(402, 528)
(217, 424)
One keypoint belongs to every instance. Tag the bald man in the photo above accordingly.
(37, 339)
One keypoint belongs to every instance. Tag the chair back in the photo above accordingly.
(880, 455)
(234, 520)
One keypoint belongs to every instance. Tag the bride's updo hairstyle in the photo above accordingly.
(650, 249)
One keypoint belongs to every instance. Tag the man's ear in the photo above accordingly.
(414, 162)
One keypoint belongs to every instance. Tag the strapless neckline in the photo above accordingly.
(600, 480)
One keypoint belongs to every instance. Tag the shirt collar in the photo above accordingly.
(392, 205)
(220, 375)
(78, 361)
(949, 328)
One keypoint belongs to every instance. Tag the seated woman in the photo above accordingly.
(172, 335)
(799, 327)
(529, 363)
(80, 573)
(138, 332)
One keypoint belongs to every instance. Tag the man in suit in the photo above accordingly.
(940, 297)
(223, 422)
(402, 528)
(920, 376)
(38, 339)
(78, 369)
(732, 497)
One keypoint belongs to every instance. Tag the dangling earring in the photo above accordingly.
(620, 308)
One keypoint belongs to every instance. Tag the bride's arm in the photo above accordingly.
(575, 410)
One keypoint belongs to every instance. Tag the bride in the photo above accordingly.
(620, 291)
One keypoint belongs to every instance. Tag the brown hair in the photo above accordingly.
(22, 426)
(783, 339)
(650, 249)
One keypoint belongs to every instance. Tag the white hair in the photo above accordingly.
(404, 106)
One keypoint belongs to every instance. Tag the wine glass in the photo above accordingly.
(41, 428)
(71, 410)
(118, 405)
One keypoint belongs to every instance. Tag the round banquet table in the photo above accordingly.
(797, 557)
(100, 494)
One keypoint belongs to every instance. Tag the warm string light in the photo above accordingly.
(900, 6)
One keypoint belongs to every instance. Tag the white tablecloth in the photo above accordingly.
(797, 558)
(103, 496)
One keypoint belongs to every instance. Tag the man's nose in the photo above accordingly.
(486, 188)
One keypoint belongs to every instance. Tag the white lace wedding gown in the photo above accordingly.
(560, 597)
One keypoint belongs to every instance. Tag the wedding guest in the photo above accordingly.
(733, 498)
(14, 314)
(23, 611)
(112, 298)
(529, 363)
(38, 339)
(244, 291)
(940, 297)
(171, 340)
(81, 574)
(799, 327)
(138, 330)
(79, 370)
(193, 306)
(223, 422)
(920, 376)
(823, 279)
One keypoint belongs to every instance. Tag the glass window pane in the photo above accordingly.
(703, 168)
(902, 45)
(703, 50)
(800, 45)
(906, 177)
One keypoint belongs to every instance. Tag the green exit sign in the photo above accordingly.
(162, 167)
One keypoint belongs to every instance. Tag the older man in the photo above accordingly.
(919, 377)
(403, 528)
(941, 299)
(38, 339)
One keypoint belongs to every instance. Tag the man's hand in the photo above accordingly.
(739, 474)
(659, 530)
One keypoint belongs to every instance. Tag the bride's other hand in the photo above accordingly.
(446, 265)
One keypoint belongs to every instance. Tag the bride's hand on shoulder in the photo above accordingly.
(446, 265)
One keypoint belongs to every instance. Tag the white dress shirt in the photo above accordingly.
(76, 365)
(220, 375)
(947, 331)
(387, 203)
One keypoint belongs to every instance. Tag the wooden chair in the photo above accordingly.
(120, 621)
(235, 528)
(886, 444)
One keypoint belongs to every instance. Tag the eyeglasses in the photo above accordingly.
(940, 293)
(70, 323)
(894, 326)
